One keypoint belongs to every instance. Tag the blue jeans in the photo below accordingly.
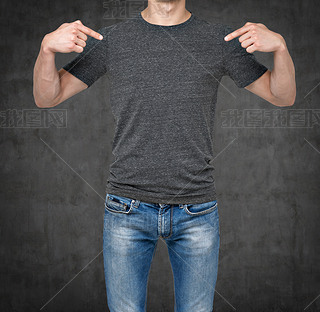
(130, 236)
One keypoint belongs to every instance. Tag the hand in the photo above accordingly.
(69, 37)
(257, 37)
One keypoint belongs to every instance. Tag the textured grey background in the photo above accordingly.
(53, 179)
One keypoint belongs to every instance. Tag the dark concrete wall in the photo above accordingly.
(53, 178)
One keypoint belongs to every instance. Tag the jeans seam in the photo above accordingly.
(171, 218)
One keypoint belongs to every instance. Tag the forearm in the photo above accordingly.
(282, 78)
(46, 80)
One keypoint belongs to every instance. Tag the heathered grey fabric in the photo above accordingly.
(163, 91)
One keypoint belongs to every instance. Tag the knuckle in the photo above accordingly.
(73, 37)
(71, 45)
(78, 22)
(64, 25)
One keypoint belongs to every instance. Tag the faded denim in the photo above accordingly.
(131, 232)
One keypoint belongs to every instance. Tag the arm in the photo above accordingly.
(277, 86)
(51, 87)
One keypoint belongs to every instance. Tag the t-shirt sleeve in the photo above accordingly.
(241, 66)
(91, 63)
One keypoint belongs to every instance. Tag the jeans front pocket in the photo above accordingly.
(200, 209)
(118, 204)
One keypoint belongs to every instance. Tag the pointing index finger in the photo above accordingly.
(236, 33)
(89, 32)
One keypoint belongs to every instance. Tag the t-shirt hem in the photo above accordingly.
(77, 75)
(164, 199)
(254, 77)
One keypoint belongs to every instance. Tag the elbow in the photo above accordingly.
(38, 104)
(42, 100)
(42, 104)
(285, 102)
(292, 100)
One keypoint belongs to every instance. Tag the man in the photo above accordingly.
(165, 65)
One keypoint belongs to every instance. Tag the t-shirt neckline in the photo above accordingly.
(155, 26)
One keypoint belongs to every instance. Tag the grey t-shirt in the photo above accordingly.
(163, 92)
